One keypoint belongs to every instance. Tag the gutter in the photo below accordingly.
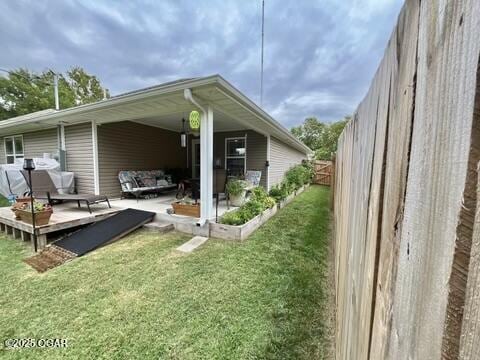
(187, 94)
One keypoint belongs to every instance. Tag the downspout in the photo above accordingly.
(187, 94)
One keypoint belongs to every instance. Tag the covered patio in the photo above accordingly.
(68, 217)
(149, 130)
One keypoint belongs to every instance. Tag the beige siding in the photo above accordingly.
(78, 141)
(282, 158)
(256, 149)
(132, 146)
(35, 144)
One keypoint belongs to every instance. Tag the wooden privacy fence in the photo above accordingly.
(323, 172)
(407, 214)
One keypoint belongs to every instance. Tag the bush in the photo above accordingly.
(299, 175)
(258, 202)
(280, 192)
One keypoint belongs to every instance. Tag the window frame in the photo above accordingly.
(244, 138)
(14, 154)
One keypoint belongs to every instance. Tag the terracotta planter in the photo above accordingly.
(192, 210)
(22, 200)
(41, 218)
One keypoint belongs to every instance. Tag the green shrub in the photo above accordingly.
(280, 192)
(258, 202)
(299, 175)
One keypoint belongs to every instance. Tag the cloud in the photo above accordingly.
(320, 56)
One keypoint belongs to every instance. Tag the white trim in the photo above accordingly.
(14, 154)
(96, 175)
(237, 157)
(267, 168)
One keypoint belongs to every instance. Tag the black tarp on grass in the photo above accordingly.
(101, 232)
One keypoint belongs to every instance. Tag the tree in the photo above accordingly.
(24, 91)
(310, 132)
(320, 137)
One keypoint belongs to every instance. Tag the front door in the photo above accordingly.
(195, 158)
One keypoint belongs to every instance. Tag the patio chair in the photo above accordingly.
(44, 188)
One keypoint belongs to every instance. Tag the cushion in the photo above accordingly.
(162, 182)
(139, 181)
(149, 181)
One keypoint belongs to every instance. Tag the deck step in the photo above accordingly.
(159, 226)
(192, 244)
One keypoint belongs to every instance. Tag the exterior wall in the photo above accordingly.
(35, 144)
(132, 146)
(256, 150)
(282, 158)
(79, 147)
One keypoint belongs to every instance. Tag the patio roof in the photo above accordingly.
(164, 105)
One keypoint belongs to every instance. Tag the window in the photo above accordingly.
(13, 148)
(235, 156)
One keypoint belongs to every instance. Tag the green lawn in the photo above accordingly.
(3, 201)
(266, 298)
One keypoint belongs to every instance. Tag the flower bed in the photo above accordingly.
(241, 232)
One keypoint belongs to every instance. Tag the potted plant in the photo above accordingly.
(43, 212)
(236, 190)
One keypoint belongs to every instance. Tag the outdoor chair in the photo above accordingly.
(44, 188)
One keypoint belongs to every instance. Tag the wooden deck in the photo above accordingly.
(64, 217)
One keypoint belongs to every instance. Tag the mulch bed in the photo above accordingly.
(50, 257)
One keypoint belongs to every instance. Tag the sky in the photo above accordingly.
(320, 55)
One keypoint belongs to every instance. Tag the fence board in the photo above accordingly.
(404, 205)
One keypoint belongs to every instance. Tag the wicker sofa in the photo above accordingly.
(141, 182)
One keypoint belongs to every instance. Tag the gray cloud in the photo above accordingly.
(320, 56)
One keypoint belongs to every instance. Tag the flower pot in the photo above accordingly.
(41, 217)
(192, 210)
(238, 200)
(22, 200)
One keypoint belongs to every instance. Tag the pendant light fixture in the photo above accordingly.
(183, 135)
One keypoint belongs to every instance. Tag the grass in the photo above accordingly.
(3, 201)
(265, 298)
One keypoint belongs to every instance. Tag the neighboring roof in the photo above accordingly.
(56, 117)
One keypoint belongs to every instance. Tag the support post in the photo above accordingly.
(267, 164)
(206, 164)
(41, 241)
(96, 176)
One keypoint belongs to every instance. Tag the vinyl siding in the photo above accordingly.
(35, 144)
(132, 146)
(78, 142)
(256, 150)
(282, 158)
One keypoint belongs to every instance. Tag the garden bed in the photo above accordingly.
(241, 232)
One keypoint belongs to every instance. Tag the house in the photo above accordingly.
(140, 130)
